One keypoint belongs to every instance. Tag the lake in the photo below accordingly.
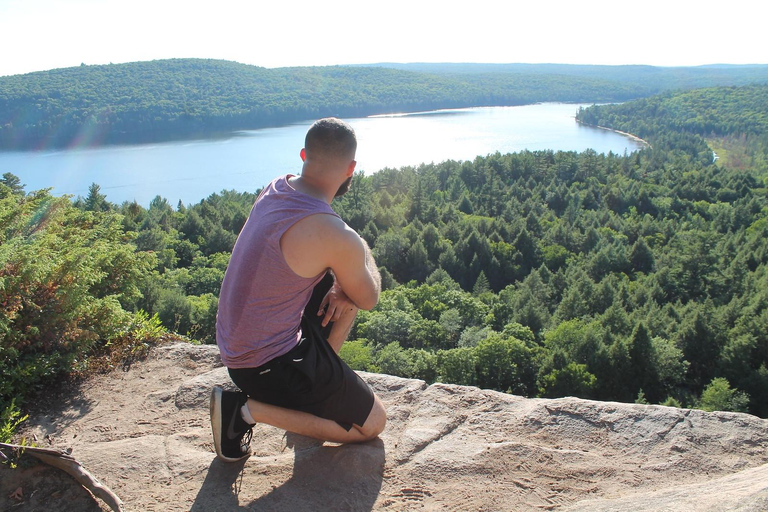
(189, 171)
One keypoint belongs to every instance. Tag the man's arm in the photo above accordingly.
(355, 269)
(321, 242)
(372, 267)
(336, 302)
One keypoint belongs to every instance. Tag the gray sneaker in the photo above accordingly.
(231, 433)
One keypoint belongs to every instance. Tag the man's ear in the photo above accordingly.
(351, 168)
(303, 154)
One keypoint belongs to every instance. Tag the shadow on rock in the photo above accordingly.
(221, 486)
(346, 477)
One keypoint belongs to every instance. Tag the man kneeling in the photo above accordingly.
(297, 277)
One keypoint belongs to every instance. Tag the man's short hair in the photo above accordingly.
(330, 138)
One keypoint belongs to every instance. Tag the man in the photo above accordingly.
(297, 277)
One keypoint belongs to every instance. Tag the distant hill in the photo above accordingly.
(181, 98)
(652, 79)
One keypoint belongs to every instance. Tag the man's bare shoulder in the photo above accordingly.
(323, 242)
(314, 243)
(323, 225)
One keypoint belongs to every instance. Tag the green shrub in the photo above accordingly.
(64, 277)
(358, 355)
(719, 396)
(572, 380)
(10, 419)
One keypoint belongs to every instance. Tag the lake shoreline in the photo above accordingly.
(625, 134)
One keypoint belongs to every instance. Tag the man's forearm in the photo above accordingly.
(370, 264)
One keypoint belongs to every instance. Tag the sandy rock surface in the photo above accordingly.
(145, 433)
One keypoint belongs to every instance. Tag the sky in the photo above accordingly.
(46, 34)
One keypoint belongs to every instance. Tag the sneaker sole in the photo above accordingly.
(216, 425)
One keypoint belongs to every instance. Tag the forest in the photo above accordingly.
(640, 277)
(187, 98)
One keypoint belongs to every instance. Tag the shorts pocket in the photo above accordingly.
(301, 368)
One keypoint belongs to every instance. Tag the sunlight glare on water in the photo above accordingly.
(189, 171)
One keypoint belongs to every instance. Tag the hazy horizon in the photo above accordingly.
(419, 63)
(50, 34)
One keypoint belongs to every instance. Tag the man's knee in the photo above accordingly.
(377, 420)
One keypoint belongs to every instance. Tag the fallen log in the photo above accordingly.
(70, 465)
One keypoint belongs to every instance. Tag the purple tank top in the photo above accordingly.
(262, 299)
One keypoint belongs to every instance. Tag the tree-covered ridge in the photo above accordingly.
(171, 99)
(718, 111)
(652, 79)
(733, 117)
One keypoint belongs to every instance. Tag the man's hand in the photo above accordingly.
(334, 304)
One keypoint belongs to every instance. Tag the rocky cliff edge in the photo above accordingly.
(144, 432)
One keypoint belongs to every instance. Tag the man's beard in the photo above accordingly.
(344, 188)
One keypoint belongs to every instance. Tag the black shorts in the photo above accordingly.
(311, 377)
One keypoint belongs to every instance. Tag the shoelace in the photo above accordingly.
(245, 441)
